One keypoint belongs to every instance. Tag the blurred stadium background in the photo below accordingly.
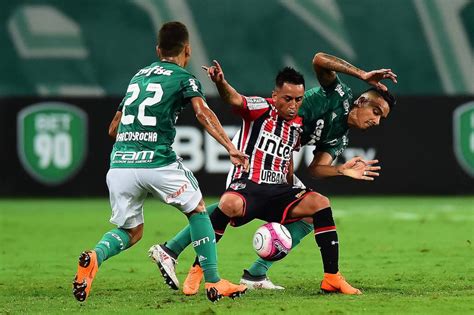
(65, 66)
(82, 54)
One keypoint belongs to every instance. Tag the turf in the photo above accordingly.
(408, 255)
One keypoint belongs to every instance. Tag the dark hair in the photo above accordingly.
(386, 95)
(288, 75)
(172, 38)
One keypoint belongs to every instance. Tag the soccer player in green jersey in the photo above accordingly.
(328, 112)
(142, 161)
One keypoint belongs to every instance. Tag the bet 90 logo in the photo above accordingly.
(52, 141)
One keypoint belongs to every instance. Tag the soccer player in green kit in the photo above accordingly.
(142, 161)
(328, 112)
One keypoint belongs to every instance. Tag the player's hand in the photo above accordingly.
(359, 168)
(239, 159)
(215, 72)
(375, 76)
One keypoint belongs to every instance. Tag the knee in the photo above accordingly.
(231, 205)
(320, 202)
(308, 220)
(201, 207)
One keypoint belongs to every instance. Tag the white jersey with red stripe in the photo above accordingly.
(268, 140)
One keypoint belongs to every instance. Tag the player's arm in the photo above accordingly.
(226, 91)
(357, 168)
(326, 66)
(208, 119)
(113, 127)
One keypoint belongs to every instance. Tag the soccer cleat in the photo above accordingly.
(193, 280)
(86, 270)
(333, 283)
(215, 291)
(166, 264)
(258, 282)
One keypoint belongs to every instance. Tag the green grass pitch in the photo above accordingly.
(409, 255)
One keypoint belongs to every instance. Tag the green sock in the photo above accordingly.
(112, 243)
(181, 240)
(298, 231)
(204, 243)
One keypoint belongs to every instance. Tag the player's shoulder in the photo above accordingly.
(314, 102)
(314, 94)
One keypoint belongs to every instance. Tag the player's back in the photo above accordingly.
(155, 97)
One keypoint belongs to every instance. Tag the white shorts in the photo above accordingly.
(174, 184)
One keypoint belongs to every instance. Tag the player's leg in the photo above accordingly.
(318, 207)
(177, 178)
(180, 241)
(167, 254)
(281, 199)
(256, 276)
(126, 199)
(232, 206)
(205, 248)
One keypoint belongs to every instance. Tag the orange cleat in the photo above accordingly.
(215, 291)
(86, 270)
(335, 283)
(193, 280)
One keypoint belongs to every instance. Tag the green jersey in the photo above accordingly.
(155, 97)
(324, 112)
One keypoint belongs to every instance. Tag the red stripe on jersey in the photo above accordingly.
(246, 126)
(258, 157)
(268, 140)
(285, 135)
(325, 229)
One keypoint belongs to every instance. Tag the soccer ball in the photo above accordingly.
(272, 241)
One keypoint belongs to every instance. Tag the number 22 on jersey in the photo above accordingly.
(149, 101)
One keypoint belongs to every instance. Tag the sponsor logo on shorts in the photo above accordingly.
(177, 193)
(237, 186)
(301, 193)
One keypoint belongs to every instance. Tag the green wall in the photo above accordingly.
(93, 47)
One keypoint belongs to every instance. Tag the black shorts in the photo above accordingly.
(268, 202)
